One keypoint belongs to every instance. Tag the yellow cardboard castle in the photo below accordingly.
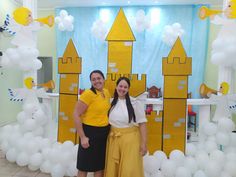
(69, 68)
(120, 46)
(176, 68)
(154, 133)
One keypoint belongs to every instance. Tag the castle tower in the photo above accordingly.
(120, 47)
(69, 68)
(176, 68)
(154, 135)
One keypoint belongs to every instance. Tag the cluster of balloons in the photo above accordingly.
(65, 21)
(171, 32)
(224, 46)
(23, 58)
(142, 22)
(213, 156)
(27, 143)
(99, 29)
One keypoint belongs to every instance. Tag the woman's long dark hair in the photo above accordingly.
(127, 98)
(90, 77)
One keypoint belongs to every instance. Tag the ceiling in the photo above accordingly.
(73, 3)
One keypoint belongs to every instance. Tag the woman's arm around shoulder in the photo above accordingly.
(80, 108)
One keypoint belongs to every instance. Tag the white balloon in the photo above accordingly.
(66, 158)
(160, 155)
(63, 13)
(230, 168)
(61, 27)
(30, 125)
(54, 156)
(182, 172)
(225, 174)
(209, 128)
(38, 131)
(68, 145)
(226, 125)
(210, 146)
(233, 140)
(33, 168)
(71, 170)
(46, 166)
(178, 157)
(212, 168)
(22, 159)
(45, 143)
(231, 156)
(58, 171)
(217, 156)
(200, 173)
(202, 159)
(36, 159)
(151, 164)
(191, 164)
(37, 64)
(223, 138)
(191, 149)
(31, 147)
(57, 19)
(168, 167)
(176, 26)
(28, 135)
(13, 138)
(71, 18)
(11, 155)
(21, 144)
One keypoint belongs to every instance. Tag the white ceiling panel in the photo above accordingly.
(83, 3)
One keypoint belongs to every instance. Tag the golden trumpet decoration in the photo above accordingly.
(205, 91)
(47, 85)
(205, 12)
(49, 20)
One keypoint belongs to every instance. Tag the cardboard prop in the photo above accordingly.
(69, 68)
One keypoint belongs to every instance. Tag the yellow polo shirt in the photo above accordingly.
(98, 106)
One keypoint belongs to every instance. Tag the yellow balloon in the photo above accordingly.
(22, 16)
(224, 88)
(29, 82)
(232, 9)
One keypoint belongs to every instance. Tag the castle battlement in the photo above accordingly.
(69, 65)
(70, 62)
(176, 66)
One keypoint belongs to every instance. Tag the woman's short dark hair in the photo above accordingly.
(127, 98)
(90, 77)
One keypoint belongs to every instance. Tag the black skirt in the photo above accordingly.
(92, 158)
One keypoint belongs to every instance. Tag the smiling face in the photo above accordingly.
(97, 81)
(122, 89)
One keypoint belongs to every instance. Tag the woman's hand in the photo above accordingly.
(84, 142)
(143, 149)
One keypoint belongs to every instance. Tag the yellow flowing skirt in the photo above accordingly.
(123, 158)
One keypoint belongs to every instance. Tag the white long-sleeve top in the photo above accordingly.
(119, 116)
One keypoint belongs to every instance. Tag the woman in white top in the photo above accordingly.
(126, 144)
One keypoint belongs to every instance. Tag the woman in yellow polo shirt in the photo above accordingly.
(92, 125)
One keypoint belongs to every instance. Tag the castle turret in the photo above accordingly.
(176, 68)
(69, 68)
(120, 47)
